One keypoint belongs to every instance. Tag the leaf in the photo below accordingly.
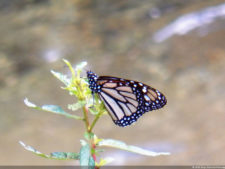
(93, 111)
(85, 156)
(96, 106)
(80, 66)
(88, 135)
(51, 108)
(63, 78)
(124, 146)
(66, 155)
(58, 110)
(91, 163)
(105, 161)
(96, 139)
(55, 156)
(29, 104)
(76, 106)
(70, 67)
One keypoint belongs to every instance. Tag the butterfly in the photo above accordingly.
(125, 100)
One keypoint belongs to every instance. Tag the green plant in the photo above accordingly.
(90, 145)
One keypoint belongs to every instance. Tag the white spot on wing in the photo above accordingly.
(144, 89)
(147, 98)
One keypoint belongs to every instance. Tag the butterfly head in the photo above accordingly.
(92, 79)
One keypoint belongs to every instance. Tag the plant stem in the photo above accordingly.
(95, 120)
(85, 111)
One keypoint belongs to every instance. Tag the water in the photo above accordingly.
(135, 40)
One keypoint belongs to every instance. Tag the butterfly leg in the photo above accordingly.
(93, 97)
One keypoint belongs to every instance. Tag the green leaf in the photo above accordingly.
(66, 155)
(99, 151)
(105, 161)
(51, 108)
(91, 163)
(85, 156)
(63, 78)
(55, 156)
(93, 111)
(124, 146)
(88, 135)
(96, 108)
(70, 67)
(29, 104)
(76, 106)
(80, 66)
(58, 110)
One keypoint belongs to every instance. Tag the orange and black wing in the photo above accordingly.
(127, 100)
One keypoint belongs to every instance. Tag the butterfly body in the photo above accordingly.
(125, 100)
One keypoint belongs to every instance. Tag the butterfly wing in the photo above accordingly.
(127, 100)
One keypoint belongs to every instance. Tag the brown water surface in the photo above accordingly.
(175, 46)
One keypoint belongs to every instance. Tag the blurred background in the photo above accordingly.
(176, 46)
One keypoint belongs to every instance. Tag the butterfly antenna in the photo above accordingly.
(86, 70)
(84, 73)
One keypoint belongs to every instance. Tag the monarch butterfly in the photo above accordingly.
(125, 100)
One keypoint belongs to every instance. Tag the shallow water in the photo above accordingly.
(117, 38)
